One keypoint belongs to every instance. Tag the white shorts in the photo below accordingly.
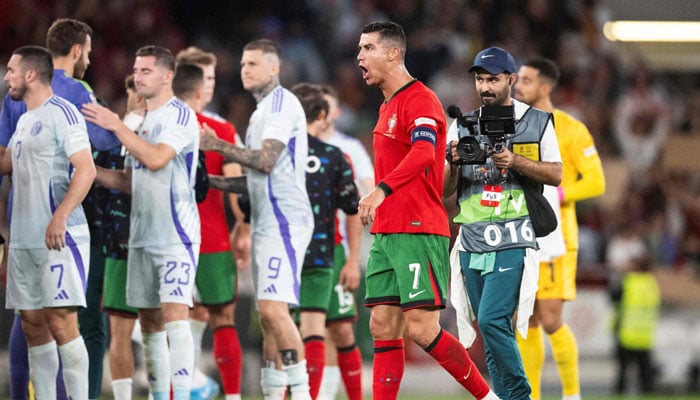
(161, 274)
(42, 278)
(277, 257)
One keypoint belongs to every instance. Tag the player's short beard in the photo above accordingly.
(79, 69)
(498, 99)
(18, 93)
(146, 95)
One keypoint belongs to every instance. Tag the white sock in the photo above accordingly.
(43, 368)
(572, 397)
(121, 388)
(181, 357)
(200, 378)
(198, 328)
(155, 351)
(298, 379)
(232, 397)
(329, 383)
(74, 357)
(273, 383)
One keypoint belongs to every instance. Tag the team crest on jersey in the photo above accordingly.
(156, 131)
(391, 124)
(36, 128)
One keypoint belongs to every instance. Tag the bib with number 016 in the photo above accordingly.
(491, 196)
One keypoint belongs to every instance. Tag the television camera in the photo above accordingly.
(495, 123)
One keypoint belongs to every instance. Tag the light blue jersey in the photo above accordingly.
(41, 147)
(163, 206)
(279, 199)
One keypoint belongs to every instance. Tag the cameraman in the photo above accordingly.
(496, 239)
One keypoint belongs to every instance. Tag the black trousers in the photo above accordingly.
(627, 358)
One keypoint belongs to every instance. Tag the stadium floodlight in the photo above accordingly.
(652, 31)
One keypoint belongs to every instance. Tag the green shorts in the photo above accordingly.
(408, 270)
(216, 279)
(114, 296)
(342, 306)
(316, 287)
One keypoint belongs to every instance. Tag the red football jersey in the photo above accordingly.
(412, 118)
(211, 211)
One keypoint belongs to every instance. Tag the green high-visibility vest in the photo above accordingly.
(639, 310)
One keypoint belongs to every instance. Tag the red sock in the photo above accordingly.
(228, 356)
(453, 357)
(315, 354)
(350, 364)
(387, 369)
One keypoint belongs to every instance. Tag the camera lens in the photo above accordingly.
(470, 151)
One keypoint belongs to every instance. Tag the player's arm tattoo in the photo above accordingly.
(229, 160)
(228, 184)
(262, 160)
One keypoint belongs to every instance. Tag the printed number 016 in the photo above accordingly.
(494, 237)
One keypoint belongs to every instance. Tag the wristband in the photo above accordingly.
(384, 188)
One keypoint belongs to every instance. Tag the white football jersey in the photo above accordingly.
(279, 198)
(163, 205)
(45, 139)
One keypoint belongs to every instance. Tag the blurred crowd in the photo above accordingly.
(632, 111)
